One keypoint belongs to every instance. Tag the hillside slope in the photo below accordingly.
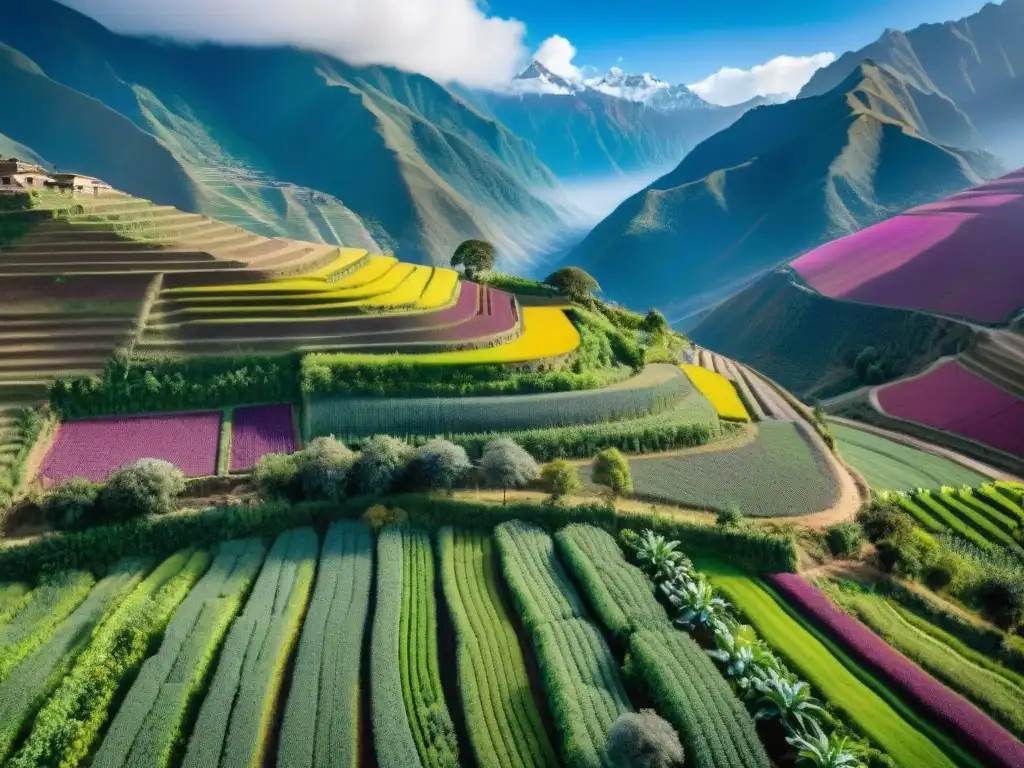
(976, 62)
(781, 180)
(283, 141)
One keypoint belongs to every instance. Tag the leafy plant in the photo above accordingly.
(788, 699)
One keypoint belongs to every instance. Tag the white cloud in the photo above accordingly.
(448, 40)
(556, 53)
(784, 75)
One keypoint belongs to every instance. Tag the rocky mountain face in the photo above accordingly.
(781, 180)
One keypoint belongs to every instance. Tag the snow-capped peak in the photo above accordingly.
(537, 78)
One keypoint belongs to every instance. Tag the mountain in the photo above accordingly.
(782, 179)
(619, 123)
(281, 141)
(976, 62)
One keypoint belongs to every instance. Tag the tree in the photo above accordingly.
(654, 323)
(145, 487)
(474, 256)
(277, 476)
(729, 517)
(612, 471)
(324, 469)
(560, 478)
(382, 461)
(643, 740)
(574, 283)
(443, 465)
(507, 465)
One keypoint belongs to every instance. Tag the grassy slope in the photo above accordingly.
(886, 464)
(777, 474)
(780, 181)
(874, 711)
(808, 343)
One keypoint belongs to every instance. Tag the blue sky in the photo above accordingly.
(686, 40)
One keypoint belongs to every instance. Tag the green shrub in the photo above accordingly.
(1002, 599)
(644, 740)
(277, 476)
(908, 553)
(844, 539)
(882, 519)
(72, 504)
(381, 464)
(560, 478)
(145, 487)
(730, 516)
(324, 468)
(612, 471)
(442, 465)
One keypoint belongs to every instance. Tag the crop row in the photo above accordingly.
(148, 725)
(392, 731)
(964, 512)
(502, 718)
(321, 717)
(67, 727)
(31, 681)
(352, 418)
(237, 713)
(577, 668)
(972, 728)
(14, 596)
(716, 730)
(50, 604)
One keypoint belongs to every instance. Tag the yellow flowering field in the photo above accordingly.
(719, 391)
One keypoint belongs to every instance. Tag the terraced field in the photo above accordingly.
(781, 473)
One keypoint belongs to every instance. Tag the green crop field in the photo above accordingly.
(886, 464)
(834, 676)
(779, 474)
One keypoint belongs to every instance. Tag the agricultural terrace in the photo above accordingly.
(657, 388)
(860, 698)
(984, 516)
(780, 472)
(951, 398)
(886, 464)
(719, 391)
(918, 260)
(93, 448)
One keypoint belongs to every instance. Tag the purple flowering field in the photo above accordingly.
(977, 732)
(93, 448)
(258, 430)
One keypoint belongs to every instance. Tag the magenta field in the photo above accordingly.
(971, 727)
(259, 430)
(921, 259)
(952, 398)
(93, 448)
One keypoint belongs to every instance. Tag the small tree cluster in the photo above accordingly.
(145, 487)
(506, 464)
(644, 740)
(573, 282)
(560, 478)
(612, 471)
(474, 257)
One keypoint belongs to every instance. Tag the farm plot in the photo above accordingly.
(964, 513)
(657, 389)
(237, 712)
(93, 448)
(780, 474)
(719, 391)
(971, 728)
(951, 398)
(687, 688)
(503, 720)
(30, 682)
(259, 430)
(995, 692)
(14, 596)
(579, 673)
(886, 464)
(918, 260)
(885, 721)
(321, 717)
(150, 721)
(70, 723)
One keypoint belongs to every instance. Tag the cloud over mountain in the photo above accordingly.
(556, 53)
(448, 40)
(784, 75)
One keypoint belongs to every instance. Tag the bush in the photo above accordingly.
(145, 487)
(1002, 599)
(882, 519)
(277, 476)
(377, 516)
(730, 516)
(324, 468)
(574, 282)
(612, 471)
(506, 465)
(442, 465)
(908, 553)
(560, 478)
(844, 539)
(382, 463)
(644, 740)
(71, 505)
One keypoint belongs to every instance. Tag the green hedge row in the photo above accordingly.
(98, 547)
